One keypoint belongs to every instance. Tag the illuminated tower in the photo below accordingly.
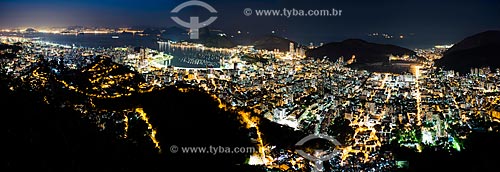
(292, 48)
(142, 57)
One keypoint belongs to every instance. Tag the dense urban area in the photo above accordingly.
(424, 108)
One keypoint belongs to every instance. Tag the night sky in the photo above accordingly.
(443, 21)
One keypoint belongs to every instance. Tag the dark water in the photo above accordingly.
(193, 57)
(189, 57)
(97, 40)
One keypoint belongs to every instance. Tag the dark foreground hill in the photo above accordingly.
(52, 137)
(45, 135)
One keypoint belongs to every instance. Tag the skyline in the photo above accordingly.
(381, 118)
(263, 85)
(429, 22)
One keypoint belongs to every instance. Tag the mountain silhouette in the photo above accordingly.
(365, 52)
(480, 50)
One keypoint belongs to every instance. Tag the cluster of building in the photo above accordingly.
(423, 108)
(72, 30)
(42, 66)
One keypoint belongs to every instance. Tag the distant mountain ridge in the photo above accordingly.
(365, 52)
(271, 42)
(480, 50)
(217, 38)
(481, 39)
